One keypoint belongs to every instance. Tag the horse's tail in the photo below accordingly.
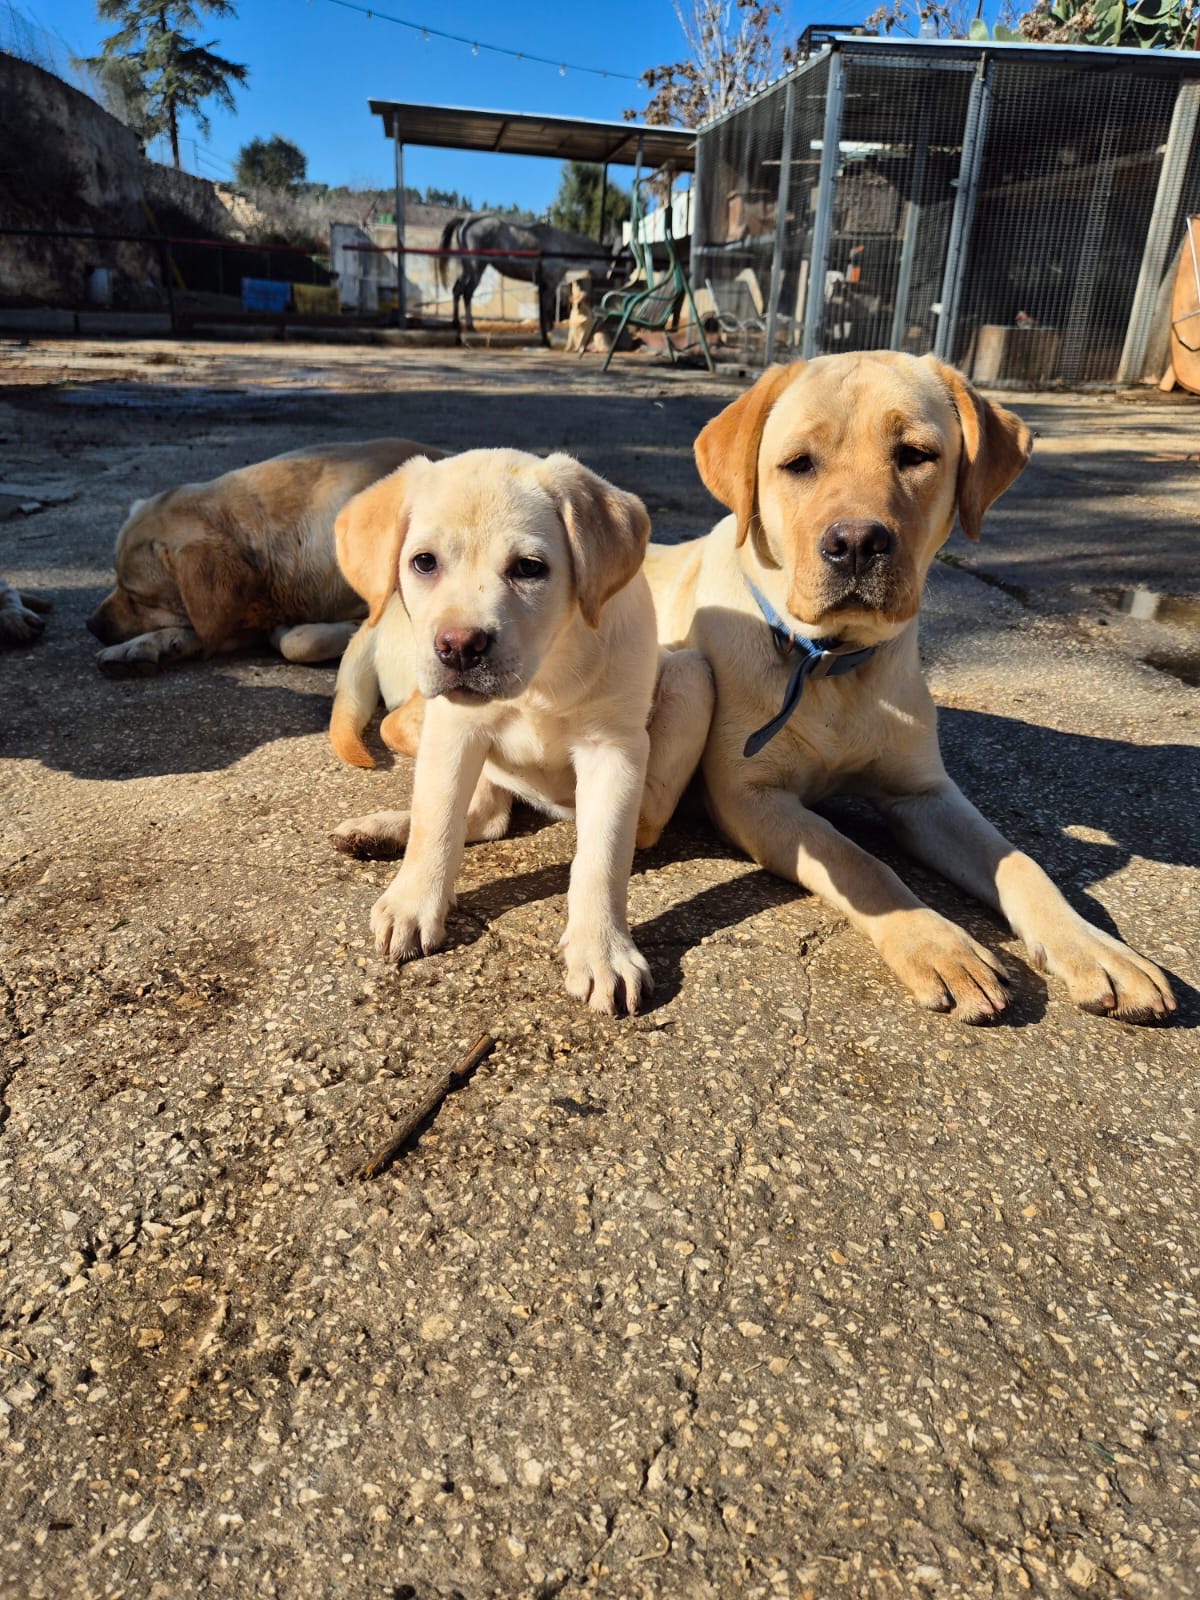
(443, 265)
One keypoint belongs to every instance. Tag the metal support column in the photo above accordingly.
(831, 137)
(967, 186)
(603, 200)
(912, 227)
(1160, 239)
(401, 293)
(1077, 350)
(781, 211)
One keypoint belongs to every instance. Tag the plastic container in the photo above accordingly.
(264, 294)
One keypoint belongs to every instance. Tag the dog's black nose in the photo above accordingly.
(462, 648)
(851, 546)
(96, 627)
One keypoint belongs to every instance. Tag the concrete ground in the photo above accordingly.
(784, 1289)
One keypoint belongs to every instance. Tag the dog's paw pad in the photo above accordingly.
(364, 846)
(405, 929)
(944, 969)
(611, 974)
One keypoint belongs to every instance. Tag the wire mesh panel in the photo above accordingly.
(1071, 160)
(734, 232)
(796, 236)
(898, 163)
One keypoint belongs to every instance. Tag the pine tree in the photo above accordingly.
(576, 206)
(274, 163)
(155, 45)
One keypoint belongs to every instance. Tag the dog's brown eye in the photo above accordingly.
(798, 466)
(528, 567)
(913, 455)
(425, 563)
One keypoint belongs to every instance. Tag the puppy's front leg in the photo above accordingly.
(937, 961)
(604, 966)
(1102, 975)
(410, 915)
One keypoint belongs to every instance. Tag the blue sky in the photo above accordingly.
(314, 65)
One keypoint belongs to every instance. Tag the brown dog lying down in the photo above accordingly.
(843, 476)
(212, 567)
(506, 593)
(21, 616)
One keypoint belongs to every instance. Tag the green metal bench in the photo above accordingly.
(656, 304)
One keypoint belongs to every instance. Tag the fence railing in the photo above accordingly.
(196, 273)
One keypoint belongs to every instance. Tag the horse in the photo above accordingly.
(546, 255)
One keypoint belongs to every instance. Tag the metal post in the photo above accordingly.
(967, 184)
(1160, 241)
(401, 295)
(781, 206)
(603, 198)
(697, 247)
(831, 137)
(912, 226)
(1078, 333)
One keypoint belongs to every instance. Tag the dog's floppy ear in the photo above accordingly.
(607, 531)
(996, 444)
(219, 585)
(727, 449)
(369, 532)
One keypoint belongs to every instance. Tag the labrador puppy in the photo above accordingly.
(211, 567)
(843, 476)
(380, 663)
(518, 615)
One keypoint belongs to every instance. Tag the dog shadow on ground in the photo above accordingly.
(199, 717)
(1083, 806)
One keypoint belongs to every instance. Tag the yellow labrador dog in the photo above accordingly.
(508, 597)
(212, 567)
(843, 476)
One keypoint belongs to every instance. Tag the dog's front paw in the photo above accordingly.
(134, 658)
(943, 967)
(607, 970)
(21, 621)
(1104, 976)
(381, 836)
(407, 924)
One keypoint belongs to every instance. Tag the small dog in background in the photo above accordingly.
(580, 317)
(21, 616)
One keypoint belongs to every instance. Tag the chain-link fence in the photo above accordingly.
(1012, 208)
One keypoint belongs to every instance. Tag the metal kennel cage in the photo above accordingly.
(1013, 208)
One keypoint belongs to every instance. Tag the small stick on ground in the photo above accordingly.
(411, 1124)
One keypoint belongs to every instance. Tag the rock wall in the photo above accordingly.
(68, 166)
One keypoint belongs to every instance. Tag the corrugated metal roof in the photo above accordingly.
(516, 133)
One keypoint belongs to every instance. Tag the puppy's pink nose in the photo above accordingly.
(462, 648)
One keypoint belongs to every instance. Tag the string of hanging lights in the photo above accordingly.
(374, 14)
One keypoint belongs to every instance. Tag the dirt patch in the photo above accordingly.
(782, 1289)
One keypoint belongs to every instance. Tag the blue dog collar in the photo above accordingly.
(813, 663)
